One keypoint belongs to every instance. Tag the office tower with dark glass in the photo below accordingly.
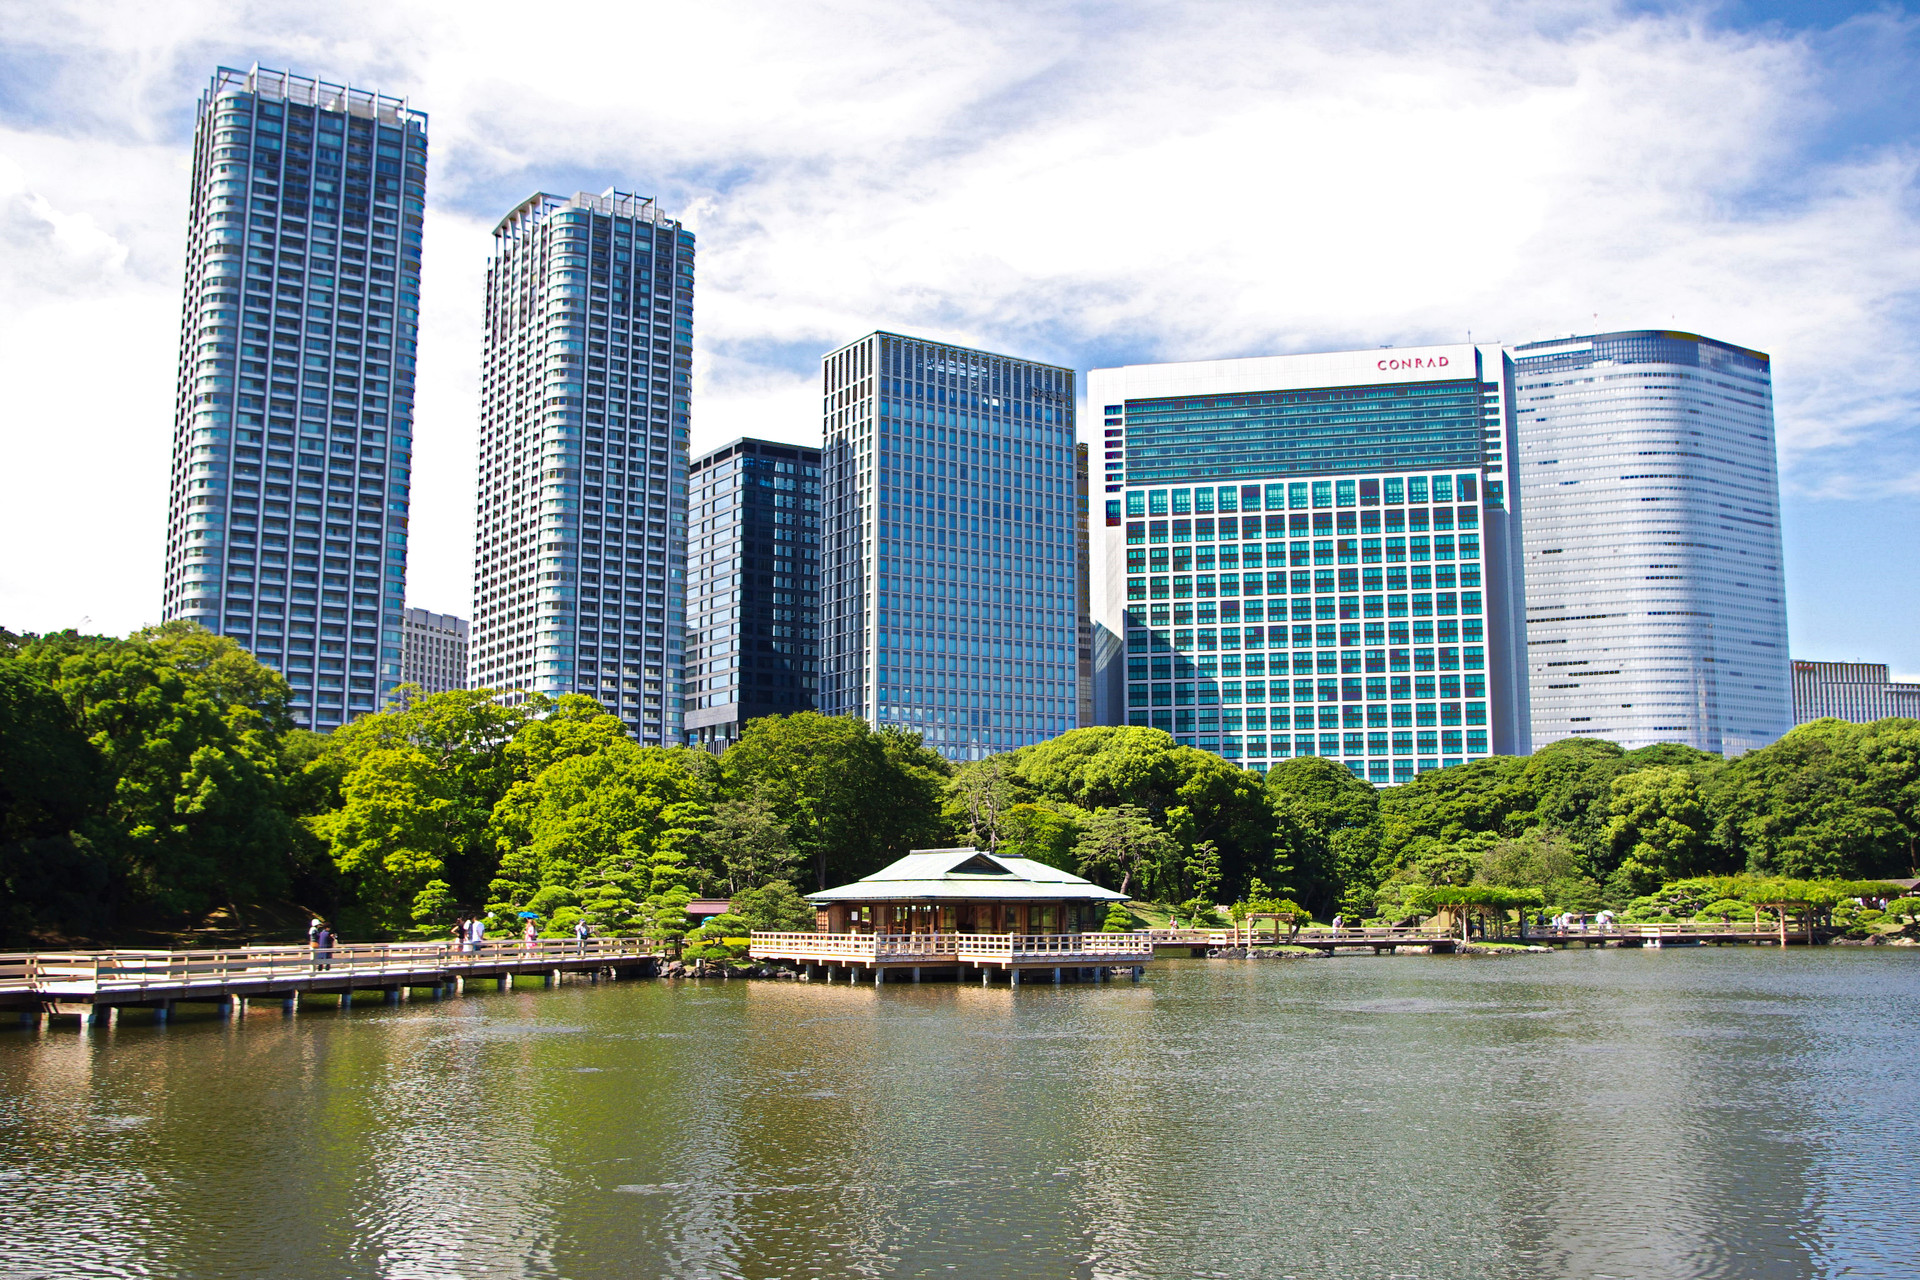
(753, 587)
(949, 576)
(1314, 555)
(293, 422)
(580, 544)
(433, 651)
(1656, 596)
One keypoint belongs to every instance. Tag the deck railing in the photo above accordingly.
(134, 970)
(991, 948)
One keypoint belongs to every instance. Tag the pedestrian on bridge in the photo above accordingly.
(323, 948)
(581, 931)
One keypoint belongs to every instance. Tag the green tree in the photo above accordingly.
(53, 879)
(1044, 830)
(1329, 822)
(1825, 800)
(1656, 831)
(192, 812)
(852, 798)
(775, 907)
(1120, 845)
(750, 843)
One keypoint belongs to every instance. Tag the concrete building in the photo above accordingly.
(1656, 596)
(753, 587)
(293, 421)
(580, 544)
(433, 650)
(1858, 692)
(949, 574)
(1313, 555)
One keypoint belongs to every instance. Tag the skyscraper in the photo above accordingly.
(433, 651)
(580, 544)
(293, 423)
(753, 587)
(1314, 555)
(1656, 598)
(949, 576)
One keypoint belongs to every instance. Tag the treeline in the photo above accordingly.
(147, 781)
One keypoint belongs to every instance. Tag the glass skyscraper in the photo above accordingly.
(1313, 555)
(1656, 597)
(293, 423)
(950, 573)
(580, 540)
(753, 587)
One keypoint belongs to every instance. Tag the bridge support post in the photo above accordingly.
(346, 999)
(879, 975)
(290, 1003)
(163, 1012)
(1136, 973)
(506, 982)
(393, 995)
(230, 1007)
(459, 985)
(1013, 976)
(916, 973)
(1056, 975)
(29, 1018)
(553, 977)
(986, 975)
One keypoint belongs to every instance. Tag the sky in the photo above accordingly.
(1085, 184)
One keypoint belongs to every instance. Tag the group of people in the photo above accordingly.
(470, 931)
(320, 942)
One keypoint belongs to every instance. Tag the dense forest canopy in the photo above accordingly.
(150, 780)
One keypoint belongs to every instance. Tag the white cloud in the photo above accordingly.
(1076, 183)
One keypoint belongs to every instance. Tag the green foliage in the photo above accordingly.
(750, 843)
(1119, 919)
(1903, 909)
(718, 938)
(850, 797)
(1119, 846)
(1328, 822)
(1045, 830)
(775, 908)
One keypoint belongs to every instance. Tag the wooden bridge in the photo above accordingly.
(875, 955)
(97, 985)
(1386, 939)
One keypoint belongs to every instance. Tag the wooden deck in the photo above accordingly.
(86, 982)
(960, 953)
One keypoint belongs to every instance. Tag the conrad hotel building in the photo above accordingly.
(1313, 555)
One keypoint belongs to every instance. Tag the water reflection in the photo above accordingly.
(1605, 1114)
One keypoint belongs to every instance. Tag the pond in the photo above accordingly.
(1730, 1112)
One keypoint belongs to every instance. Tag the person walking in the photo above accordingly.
(530, 936)
(580, 933)
(476, 933)
(1338, 923)
(322, 948)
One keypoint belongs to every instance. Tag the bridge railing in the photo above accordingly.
(133, 970)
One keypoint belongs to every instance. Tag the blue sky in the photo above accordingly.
(1081, 183)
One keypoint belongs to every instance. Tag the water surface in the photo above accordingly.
(1717, 1112)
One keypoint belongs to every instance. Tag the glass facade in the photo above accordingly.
(433, 650)
(1656, 597)
(293, 423)
(580, 544)
(1311, 606)
(753, 589)
(950, 575)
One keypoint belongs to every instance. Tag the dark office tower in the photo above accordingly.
(580, 547)
(293, 424)
(949, 575)
(753, 587)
